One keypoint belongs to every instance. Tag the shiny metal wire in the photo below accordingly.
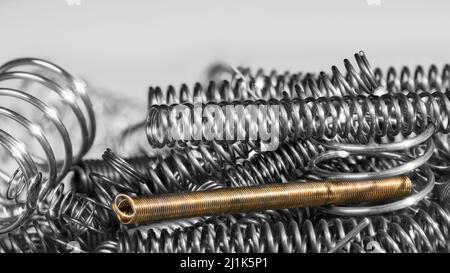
(360, 117)
(77, 213)
(38, 235)
(276, 85)
(161, 176)
(81, 178)
(414, 79)
(424, 228)
(255, 218)
(72, 92)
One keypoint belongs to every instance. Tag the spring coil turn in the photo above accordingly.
(360, 117)
(81, 178)
(243, 219)
(72, 93)
(276, 85)
(424, 229)
(77, 213)
(38, 235)
(161, 176)
(414, 79)
(214, 155)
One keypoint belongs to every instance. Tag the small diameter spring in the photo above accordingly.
(246, 199)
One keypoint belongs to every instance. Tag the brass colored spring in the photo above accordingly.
(134, 210)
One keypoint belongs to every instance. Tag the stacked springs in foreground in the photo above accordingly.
(361, 123)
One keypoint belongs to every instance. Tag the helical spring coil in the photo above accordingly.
(360, 117)
(414, 79)
(38, 235)
(394, 80)
(276, 85)
(203, 159)
(242, 220)
(81, 172)
(72, 93)
(76, 212)
(424, 229)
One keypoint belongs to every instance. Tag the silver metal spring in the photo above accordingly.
(275, 84)
(414, 79)
(131, 181)
(38, 235)
(423, 229)
(212, 155)
(72, 93)
(161, 177)
(394, 80)
(82, 182)
(288, 162)
(360, 117)
(239, 89)
(244, 219)
(77, 213)
(291, 161)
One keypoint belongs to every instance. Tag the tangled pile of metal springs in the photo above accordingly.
(355, 125)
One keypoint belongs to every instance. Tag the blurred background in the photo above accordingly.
(123, 47)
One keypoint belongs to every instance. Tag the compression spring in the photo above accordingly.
(37, 235)
(303, 85)
(71, 92)
(424, 228)
(81, 179)
(75, 212)
(256, 218)
(360, 117)
(414, 79)
(162, 176)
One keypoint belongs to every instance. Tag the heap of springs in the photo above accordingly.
(257, 131)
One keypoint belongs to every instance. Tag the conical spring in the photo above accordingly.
(71, 93)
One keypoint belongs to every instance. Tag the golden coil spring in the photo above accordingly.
(153, 208)
(132, 180)
(424, 228)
